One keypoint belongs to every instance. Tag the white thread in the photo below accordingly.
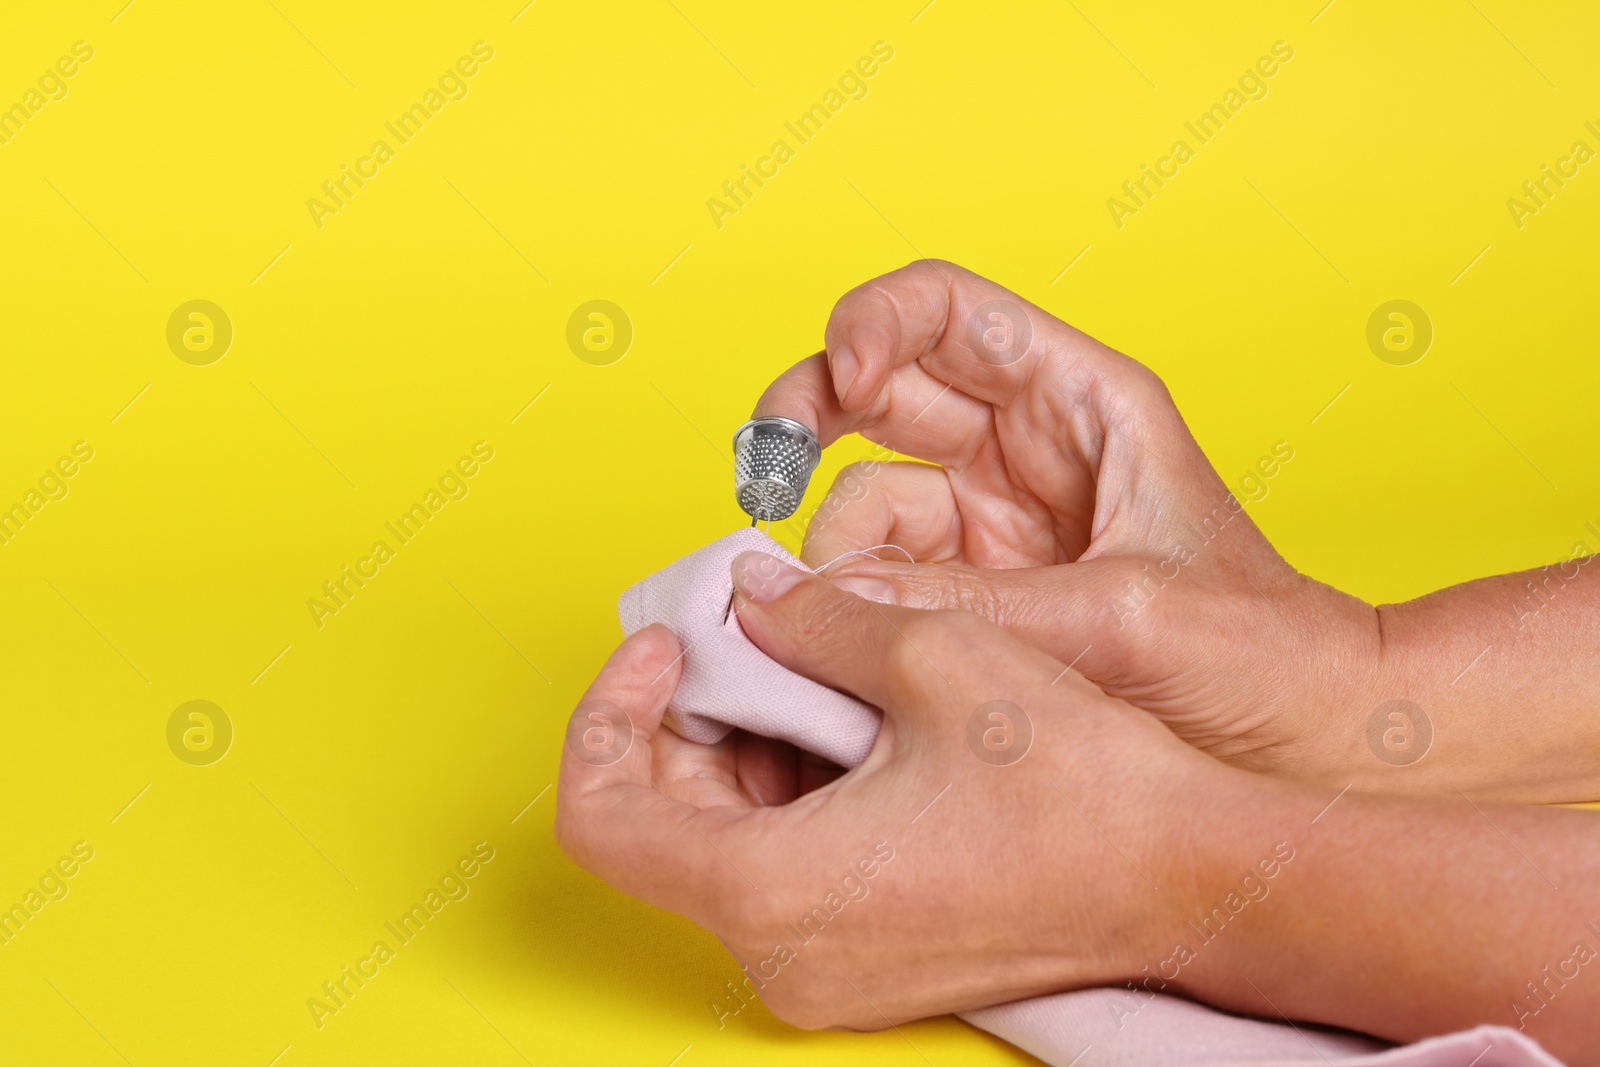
(864, 552)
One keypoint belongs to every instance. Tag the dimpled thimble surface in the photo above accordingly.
(773, 461)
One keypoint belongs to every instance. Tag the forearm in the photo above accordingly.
(1507, 680)
(1405, 917)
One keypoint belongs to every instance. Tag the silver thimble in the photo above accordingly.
(773, 461)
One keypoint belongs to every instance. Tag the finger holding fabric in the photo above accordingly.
(932, 878)
(920, 849)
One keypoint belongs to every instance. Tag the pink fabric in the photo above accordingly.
(728, 682)
(1092, 1028)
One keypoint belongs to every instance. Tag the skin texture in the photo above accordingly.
(670, 823)
(1083, 863)
(1073, 507)
(1064, 474)
(1394, 897)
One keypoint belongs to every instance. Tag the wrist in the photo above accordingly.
(1341, 665)
(1226, 839)
(1369, 718)
(1250, 834)
(1473, 695)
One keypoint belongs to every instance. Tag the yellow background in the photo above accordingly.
(370, 353)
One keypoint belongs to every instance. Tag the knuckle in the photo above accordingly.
(964, 645)
(973, 593)
(931, 265)
(1145, 387)
(926, 637)
(903, 661)
(1128, 609)
(872, 295)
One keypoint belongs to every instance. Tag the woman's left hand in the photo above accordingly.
(996, 844)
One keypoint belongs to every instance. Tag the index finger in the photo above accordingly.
(928, 332)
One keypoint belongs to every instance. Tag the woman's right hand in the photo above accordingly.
(1072, 506)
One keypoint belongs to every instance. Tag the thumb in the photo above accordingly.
(612, 818)
(817, 629)
(607, 737)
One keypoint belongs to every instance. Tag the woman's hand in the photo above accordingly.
(1073, 507)
(957, 868)
(1054, 844)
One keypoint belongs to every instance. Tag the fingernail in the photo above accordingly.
(845, 368)
(760, 577)
(875, 589)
